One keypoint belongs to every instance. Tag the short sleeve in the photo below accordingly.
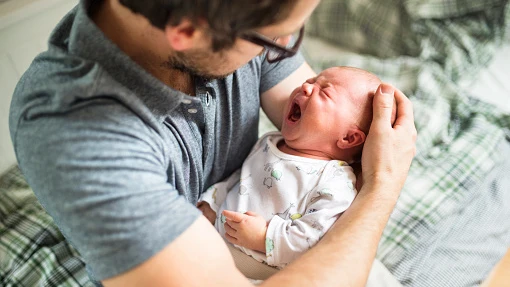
(101, 173)
(274, 73)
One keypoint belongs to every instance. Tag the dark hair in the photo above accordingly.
(227, 19)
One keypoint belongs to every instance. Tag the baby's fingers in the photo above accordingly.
(231, 239)
(234, 216)
(230, 230)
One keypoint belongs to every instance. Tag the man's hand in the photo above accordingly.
(389, 149)
(207, 211)
(247, 230)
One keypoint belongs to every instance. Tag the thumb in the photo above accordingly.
(234, 216)
(384, 99)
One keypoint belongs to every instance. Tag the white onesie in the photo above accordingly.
(300, 197)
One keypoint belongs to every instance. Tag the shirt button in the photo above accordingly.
(192, 111)
(207, 99)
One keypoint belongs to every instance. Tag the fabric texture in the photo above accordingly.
(430, 50)
(300, 197)
(33, 252)
(116, 157)
(462, 248)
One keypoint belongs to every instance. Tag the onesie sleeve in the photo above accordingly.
(288, 238)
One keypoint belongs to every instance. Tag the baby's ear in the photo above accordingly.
(353, 138)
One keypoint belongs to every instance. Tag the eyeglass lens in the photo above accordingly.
(287, 41)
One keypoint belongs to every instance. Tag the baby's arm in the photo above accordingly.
(289, 236)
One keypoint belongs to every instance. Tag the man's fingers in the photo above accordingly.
(383, 104)
(405, 115)
(234, 216)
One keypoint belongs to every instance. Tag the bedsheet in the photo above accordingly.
(432, 50)
(33, 252)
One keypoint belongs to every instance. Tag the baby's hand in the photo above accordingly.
(247, 230)
(207, 211)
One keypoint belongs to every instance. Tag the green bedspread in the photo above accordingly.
(429, 49)
(33, 252)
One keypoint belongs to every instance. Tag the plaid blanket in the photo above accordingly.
(430, 49)
(33, 252)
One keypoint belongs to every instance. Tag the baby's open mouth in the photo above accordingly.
(295, 113)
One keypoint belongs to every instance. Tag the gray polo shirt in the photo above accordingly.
(116, 157)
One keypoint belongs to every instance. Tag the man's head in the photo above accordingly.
(226, 20)
(332, 112)
(203, 37)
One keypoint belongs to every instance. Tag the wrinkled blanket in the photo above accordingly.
(33, 252)
(431, 50)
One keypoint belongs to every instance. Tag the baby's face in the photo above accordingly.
(324, 108)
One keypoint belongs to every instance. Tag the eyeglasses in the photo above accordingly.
(275, 52)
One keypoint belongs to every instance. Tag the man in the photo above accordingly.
(138, 106)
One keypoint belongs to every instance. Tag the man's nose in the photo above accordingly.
(307, 88)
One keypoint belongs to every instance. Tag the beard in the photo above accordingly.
(190, 64)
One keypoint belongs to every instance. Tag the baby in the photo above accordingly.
(295, 184)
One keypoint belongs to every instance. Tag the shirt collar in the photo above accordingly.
(87, 41)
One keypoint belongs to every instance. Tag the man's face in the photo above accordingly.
(209, 64)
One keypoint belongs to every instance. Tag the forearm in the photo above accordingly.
(347, 250)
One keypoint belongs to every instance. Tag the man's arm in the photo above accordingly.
(273, 100)
(199, 256)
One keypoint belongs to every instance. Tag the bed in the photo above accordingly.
(450, 226)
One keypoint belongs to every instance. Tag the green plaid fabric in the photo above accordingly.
(431, 50)
(32, 250)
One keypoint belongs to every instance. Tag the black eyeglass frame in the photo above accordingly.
(270, 44)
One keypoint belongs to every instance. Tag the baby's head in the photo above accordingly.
(329, 116)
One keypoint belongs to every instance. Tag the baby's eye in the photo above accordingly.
(326, 85)
(311, 80)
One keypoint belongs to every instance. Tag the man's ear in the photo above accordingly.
(185, 35)
(354, 137)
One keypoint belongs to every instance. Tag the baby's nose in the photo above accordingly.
(307, 88)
